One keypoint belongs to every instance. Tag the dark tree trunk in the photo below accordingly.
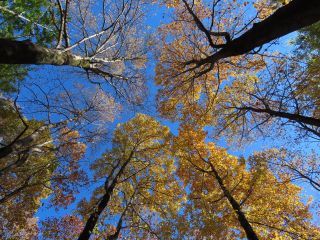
(291, 116)
(289, 18)
(251, 235)
(94, 217)
(26, 52)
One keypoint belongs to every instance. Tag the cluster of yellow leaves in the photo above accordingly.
(148, 178)
(267, 7)
(273, 207)
(171, 3)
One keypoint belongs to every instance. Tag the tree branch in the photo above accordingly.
(289, 18)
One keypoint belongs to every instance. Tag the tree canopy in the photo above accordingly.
(169, 119)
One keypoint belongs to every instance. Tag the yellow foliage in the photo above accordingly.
(273, 207)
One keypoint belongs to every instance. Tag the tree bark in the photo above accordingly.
(289, 18)
(26, 52)
(251, 235)
(291, 116)
(94, 217)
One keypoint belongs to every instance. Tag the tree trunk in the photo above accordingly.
(289, 18)
(251, 235)
(94, 217)
(291, 116)
(26, 52)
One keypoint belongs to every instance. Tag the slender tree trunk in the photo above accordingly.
(251, 235)
(291, 116)
(94, 217)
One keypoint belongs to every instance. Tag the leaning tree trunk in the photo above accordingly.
(26, 52)
(251, 235)
(290, 116)
(295, 15)
(94, 216)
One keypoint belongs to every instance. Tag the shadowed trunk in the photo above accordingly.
(94, 217)
(26, 52)
(289, 18)
(251, 235)
(291, 116)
